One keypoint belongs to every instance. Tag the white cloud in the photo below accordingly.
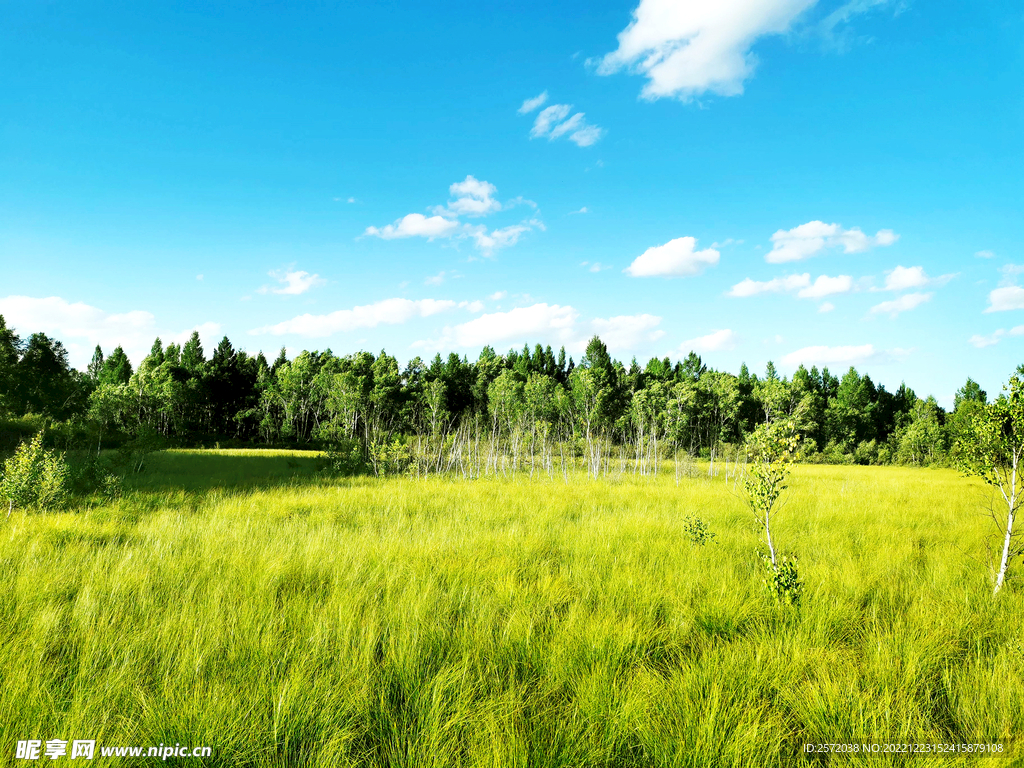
(827, 286)
(80, 327)
(581, 210)
(686, 49)
(586, 136)
(416, 225)
(748, 287)
(552, 122)
(548, 116)
(800, 284)
(199, 278)
(676, 258)
(208, 333)
(627, 332)
(826, 306)
(498, 295)
(987, 341)
(574, 123)
(435, 279)
(809, 239)
(539, 322)
(903, 278)
(1009, 273)
(472, 198)
(902, 304)
(488, 242)
(821, 355)
(547, 323)
(293, 283)
(531, 104)
(386, 312)
(472, 306)
(715, 341)
(985, 255)
(1006, 298)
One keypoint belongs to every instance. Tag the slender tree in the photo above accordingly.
(992, 448)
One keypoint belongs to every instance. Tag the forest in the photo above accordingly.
(504, 411)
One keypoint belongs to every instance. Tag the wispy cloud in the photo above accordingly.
(992, 339)
(292, 283)
(843, 355)
(441, 277)
(386, 312)
(559, 325)
(531, 104)
(555, 121)
(716, 341)
(904, 303)
(627, 331)
(812, 238)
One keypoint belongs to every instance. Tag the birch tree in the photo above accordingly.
(771, 450)
(992, 448)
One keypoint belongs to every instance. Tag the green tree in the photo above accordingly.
(771, 451)
(96, 364)
(192, 355)
(992, 448)
(117, 369)
(10, 348)
(46, 384)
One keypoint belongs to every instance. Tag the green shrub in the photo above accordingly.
(697, 531)
(34, 477)
(390, 458)
(783, 580)
(344, 457)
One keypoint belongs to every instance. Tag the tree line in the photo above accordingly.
(527, 409)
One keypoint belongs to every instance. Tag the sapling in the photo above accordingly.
(992, 448)
(771, 451)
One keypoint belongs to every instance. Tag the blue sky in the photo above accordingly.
(823, 182)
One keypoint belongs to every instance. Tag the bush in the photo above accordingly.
(390, 458)
(344, 457)
(697, 531)
(783, 580)
(34, 477)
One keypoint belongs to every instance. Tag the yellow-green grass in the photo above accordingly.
(239, 600)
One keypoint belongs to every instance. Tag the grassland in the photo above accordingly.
(243, 602)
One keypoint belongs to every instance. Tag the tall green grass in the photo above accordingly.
(241, 601)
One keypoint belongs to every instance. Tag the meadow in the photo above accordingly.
(243, 601)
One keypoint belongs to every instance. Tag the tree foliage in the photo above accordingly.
(532, 400)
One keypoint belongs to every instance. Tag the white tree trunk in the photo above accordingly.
(1010, 495)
